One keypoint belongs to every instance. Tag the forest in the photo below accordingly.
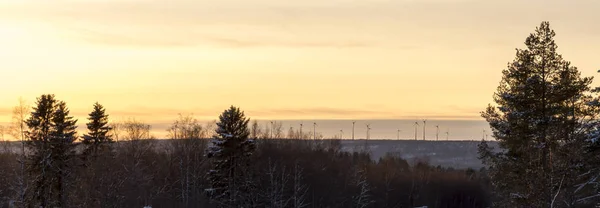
(139, 170)
(545, 119)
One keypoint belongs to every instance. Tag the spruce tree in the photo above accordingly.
(541, 110)
(62, 143)
(51, 135)
(98, 138)
(39, 164)
(230, 150)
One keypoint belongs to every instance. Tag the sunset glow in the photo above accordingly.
(339, 59)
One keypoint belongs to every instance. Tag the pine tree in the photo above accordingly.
(62, 143)
(98, 138)
(592, 163)
(540, 112)
(51, 135)
(230, 150)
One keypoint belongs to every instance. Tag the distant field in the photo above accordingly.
(457, 154)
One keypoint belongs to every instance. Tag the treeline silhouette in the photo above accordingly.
(141, 170)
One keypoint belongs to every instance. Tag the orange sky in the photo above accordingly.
(309, 59)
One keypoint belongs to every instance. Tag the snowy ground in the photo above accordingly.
(457, 154)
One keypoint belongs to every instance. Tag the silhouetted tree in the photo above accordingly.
(256, 131)
(230, 150)
(63, 149)
(187, 136)
(98, 137)
(541, 110)
(51, 133)
(17, 130)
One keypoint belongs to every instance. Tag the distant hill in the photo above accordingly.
(456, 154)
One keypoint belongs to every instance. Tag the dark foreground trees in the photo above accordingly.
(541, 120)
(230, 151)
(97, 139)
(51, 135)
(141, 171)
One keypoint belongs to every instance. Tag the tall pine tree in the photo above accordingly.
(51, 135)
(62, 144)
(98, 138)
(39, 161)
(541, 110)
(230, 150)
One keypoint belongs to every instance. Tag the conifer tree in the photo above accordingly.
(98, 138)
(40, 124)
(230, 150)
(541, 110)
(51, 135)
(62, 143)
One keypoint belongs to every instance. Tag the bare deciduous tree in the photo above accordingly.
(188, 141)
(255, 131)
(299, 190)
(275, 192)
(277, 130)
(17, 130)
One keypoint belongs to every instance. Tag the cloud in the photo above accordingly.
(158, 113)
(174, 40)
(182, 23)
(111, 39)
(236, 42)
(339, 113)
(317, 112)
(462, 109)
(5, 111)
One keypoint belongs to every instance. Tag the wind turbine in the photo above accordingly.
(447, 133)
(271, 129)
(315, 131)
(368, 131)
(424, 123)
(341, 134)
(483, 135)
(301, 136)
(416, 129)
(437, 132)
(353, 122)
(398, 137)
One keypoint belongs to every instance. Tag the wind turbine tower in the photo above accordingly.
(353, 122)
(301, 135)
(315, 131)
(437, 132)
(483, 135)
(271, 129)
(368, 131)
(398, 136)
(424, 124)
(416, 129)
(447, 133)
(341, 134)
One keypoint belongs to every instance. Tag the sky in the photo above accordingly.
(302, 60)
